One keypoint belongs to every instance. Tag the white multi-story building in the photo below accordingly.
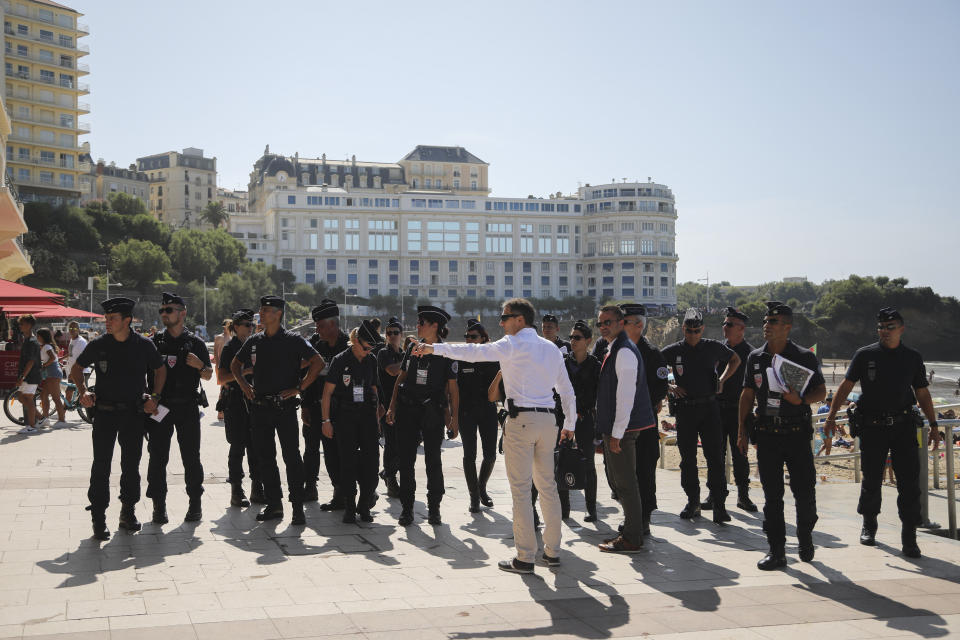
(381, 229)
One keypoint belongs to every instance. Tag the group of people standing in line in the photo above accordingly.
(352, 388)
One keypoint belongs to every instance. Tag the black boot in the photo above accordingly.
(720, 514)
(564, 503)
(237, 497)
(99, 518)
(298, 517)
(486, 468)
(194, 513)
(743, 499)
(646, 524)
(256, 493)
(707, 505)
(406, 516)
(470, 475)
(349, 510)
(433, 513)
(128, 518)
(692, 510)
(908, 538)
(270, 512)
(310, 493)
(335, 504)
(805, 546)
(160, 511)
(775, 559)
(868, 533)
(393, 487)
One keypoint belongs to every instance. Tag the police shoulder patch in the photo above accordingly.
(454, 366)
(662, 373)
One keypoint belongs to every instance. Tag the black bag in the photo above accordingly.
(854, 421)
(570, 466)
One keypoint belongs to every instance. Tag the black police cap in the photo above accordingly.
(118, 305)
(582, 327)
(777, 308)
(733, 312)
(171, 298)
(242, 315)
(433, 314)
(550, 318)
(368, 332)
(273, 301)
(473, 323)
(395, 323)
(888, 314)
(692, 318)
(326, 309)
(633, 309)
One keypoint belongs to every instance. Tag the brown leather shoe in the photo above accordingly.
(620, 545)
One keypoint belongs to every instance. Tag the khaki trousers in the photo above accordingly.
(528, 444)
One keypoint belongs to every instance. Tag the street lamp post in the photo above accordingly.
(345, 296)
(205, 300)
(707, 279)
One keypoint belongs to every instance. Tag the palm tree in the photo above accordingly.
(215, 214)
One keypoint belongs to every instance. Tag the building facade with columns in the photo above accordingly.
(379, 228)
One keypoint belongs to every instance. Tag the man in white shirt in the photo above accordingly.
(74, 349)
(532, 368)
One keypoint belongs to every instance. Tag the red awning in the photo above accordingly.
(66, 312)
(12, 293)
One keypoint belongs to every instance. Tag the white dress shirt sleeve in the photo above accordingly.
(568, 399)
(488, 352)
(626, 390)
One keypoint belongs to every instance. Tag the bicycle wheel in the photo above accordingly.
(84, 414)
(13, 408)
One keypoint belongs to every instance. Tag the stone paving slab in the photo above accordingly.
(229, 576)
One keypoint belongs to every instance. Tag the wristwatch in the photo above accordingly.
(325, 420)
(155, 396)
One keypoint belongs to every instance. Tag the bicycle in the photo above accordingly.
(14, 410)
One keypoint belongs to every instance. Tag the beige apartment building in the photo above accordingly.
(181, 185)
(43, 96)
(14, 261)
(104, 179)
(234, 201)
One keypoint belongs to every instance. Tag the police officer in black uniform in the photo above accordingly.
(892, 380)
(122, 359)
(349, 406)
(782, 433)
(328, 341)
(694, 360)
(550, 326)
(477, 416)
(418, 407)
(584, 373)
(388, 368)
(187, 361)
(236, 417)
(276, 356)
(648, 440)
(734, 325)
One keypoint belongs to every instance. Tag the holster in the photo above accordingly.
(855, 422)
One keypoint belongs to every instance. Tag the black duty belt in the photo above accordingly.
(780, 425)
(693, 402)
(178, 401)
(118, 406)
(887, 418)
(275, 401)
(728, 404)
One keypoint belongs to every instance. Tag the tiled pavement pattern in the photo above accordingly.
(233, 578)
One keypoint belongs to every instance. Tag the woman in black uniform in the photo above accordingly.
(349, 408)
(418, 409)
(584, 372)
(477, 414)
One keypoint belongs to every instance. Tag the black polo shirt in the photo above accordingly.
(386, 357)
(770, 403)
(275, 359)
(473, 380)
(695, 368)
(887, 377)
(227, 355)
(354, 380)
(182, 379)
(656, 370)
(30, 352)
(734, 385)
(427, 376)
(121, 366)
(563, 345)
(600, 348)
(327, 351)
(584, 377)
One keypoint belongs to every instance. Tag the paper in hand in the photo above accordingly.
(790, 374)
(162, 411)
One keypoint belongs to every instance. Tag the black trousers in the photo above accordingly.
(185, 419)
(648, 453)
(793, 450)
(108, 428)
(391, 450)
(482, 421)
(730, 420)
(282, 423)
(700, 421)
(416, 423)
(313, 439)
(238, 428)
(900, 442)
(584, 434)
(355, 431)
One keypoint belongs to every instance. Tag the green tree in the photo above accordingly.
(139, 262)
(215, 214)
(228, 252)
(466, 306)
(126, 205)
(190, 255)
(145, 227)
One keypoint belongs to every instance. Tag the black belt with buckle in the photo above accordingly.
(782, 425)
(887, 419)
(276, 401)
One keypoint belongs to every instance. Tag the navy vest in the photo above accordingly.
(642, 413)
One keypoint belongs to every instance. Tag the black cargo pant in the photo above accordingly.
(700, 421)
(648, 453)
(239, 431)
(900, 441)
(355, 431)
(184, 417)
(313, 439)
(730, 420)
(109, 427)
(416, 423)
(270, 421)
(479, 420)
(793, 450)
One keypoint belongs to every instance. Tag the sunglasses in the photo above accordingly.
(471, 336)
(575, 338)
(393, 333)
(888, 327)
(169, 309)
(506, 316)
(771, 321)
(692, 330)
(421, 322)
(605, 323)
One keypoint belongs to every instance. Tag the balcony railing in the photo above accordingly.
(66, 84)
(71, 45)
(12, 187)
(46, 183)
(46, 143)
(82, 126)
(49, 162)
(65, 64)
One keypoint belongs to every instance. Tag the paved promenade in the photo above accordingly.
(231, 577)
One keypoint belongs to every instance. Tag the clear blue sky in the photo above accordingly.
(800, 138)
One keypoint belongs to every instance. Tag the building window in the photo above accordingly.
(291, 199)
(414, 265)
(351, 241)
(331, 241)
(545, 246)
